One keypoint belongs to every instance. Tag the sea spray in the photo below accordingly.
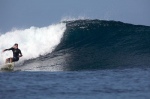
(33, 42)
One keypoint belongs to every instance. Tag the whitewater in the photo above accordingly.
(33, 42)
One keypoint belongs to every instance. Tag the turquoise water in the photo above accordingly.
(131, 83)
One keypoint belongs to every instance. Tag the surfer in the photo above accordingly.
(16, 54)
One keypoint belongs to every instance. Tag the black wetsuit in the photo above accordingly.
(16, 53)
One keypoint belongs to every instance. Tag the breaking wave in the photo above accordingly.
(81, 45)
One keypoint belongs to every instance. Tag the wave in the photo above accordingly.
(100, 44)
(84, 45)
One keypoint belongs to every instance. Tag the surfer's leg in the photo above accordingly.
(11, 60)
(7, 60)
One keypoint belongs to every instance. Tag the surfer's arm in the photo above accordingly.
(7, 49)
(20, 54)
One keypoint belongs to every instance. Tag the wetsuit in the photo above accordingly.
(16, 53)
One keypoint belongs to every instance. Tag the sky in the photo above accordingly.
(22, 14)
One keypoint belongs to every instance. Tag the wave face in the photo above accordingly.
(33, 42)
(83, 45)
(96, 44)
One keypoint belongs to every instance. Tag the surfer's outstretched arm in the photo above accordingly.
(4, 50)
(7, 49)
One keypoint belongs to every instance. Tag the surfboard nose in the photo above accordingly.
(8, 66)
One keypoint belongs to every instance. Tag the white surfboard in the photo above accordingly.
(8, 66)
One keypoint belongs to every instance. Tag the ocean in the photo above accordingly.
(79, 59)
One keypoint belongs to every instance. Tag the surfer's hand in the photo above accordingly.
(20, 55)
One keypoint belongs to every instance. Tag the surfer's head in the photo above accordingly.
(15, 46)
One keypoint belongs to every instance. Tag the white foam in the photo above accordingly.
(33, 42)
(70, 18)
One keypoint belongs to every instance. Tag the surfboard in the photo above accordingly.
(8, 66)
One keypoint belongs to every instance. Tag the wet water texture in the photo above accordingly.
(100, 84)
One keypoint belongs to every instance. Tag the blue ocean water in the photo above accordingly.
(95, 59)
(97, 84)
